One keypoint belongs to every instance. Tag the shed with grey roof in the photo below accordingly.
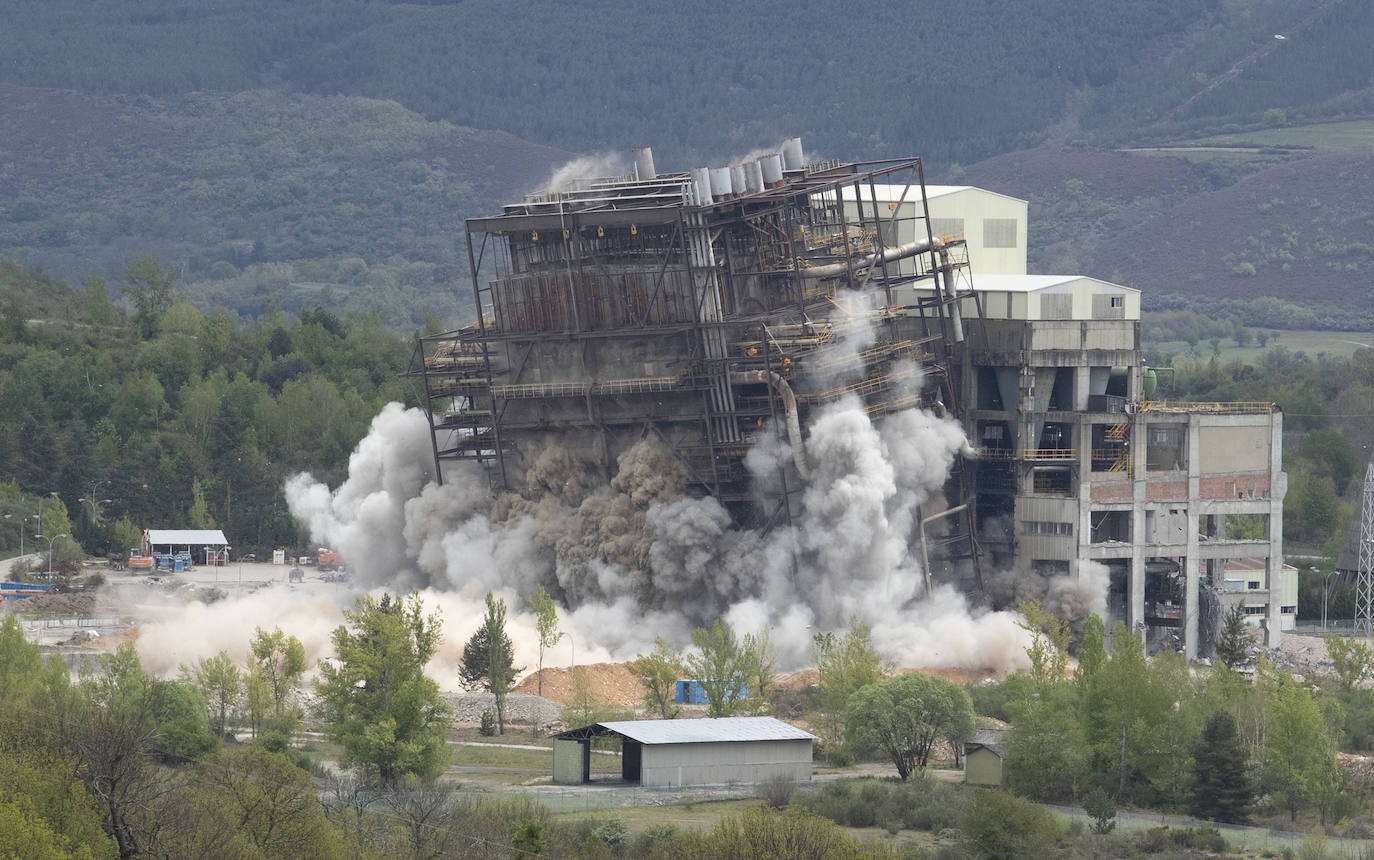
(984, 754)
(675, 753)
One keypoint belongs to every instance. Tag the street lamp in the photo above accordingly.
(51, 541)
(95, 506)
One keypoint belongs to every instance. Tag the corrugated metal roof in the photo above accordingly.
(707, 730)
(989, 738)
(186, 537)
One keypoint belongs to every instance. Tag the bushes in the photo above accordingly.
(1001, 825)
(919, 804)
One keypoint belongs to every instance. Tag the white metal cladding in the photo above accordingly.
(718, 763)
(186, 537)
(707, 730)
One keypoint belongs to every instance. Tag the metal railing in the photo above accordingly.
(1240, 407)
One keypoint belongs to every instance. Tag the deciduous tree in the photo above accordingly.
(1351, 658)
(546, 623)
(721, 666)
(658, 673)
(378, 702)
(221, 683)
(903, 717)
(845, 664)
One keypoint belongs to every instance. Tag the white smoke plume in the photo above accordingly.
(570, 175)
(639, 559)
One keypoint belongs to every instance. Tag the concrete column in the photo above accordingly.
(1190, 561)
(1080, 388)
(1136, 603)
(1273, 565)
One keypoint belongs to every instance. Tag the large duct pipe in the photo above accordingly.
(956, 315)
(901, 252)
(789, 402)
(792, 158)
(771, 167)
(720, 183)
(644, 164)
(701, 181)
(753, 177)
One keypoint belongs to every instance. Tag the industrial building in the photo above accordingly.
(697, 308)
(677, 753)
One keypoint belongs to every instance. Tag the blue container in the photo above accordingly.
(177, 566)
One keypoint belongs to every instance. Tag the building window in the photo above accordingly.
(947, 226)
(1050, 567)
(1035, 527)
(1288, 610)
(1254, 610)
(1253, 585)
(999, 232)
(1118, 301)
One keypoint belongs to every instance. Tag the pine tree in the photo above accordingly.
(1234, 640)
(1222, 789)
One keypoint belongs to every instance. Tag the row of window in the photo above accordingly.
(997, 232)
(1035, 527)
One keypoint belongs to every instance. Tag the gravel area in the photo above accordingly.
(468, 708)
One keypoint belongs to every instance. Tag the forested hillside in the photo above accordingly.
(952, 82)
(351, 203)
(156, 408)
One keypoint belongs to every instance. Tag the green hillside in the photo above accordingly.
(706, 80)
(352, 203)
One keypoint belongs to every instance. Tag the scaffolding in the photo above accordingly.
(632, 307)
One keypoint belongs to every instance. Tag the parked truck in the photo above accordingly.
(329, 559)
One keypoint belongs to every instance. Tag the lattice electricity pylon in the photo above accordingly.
(1364, 579)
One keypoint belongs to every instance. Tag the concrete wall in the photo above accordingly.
(671, 765)
(983, 767)
(1242, 447)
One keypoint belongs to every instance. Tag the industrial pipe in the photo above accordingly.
(789, 402)
(925, 553)
(910, 249)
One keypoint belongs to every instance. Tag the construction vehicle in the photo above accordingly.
(329, 559)
(139, 561)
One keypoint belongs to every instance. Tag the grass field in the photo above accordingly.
(686, 816)
(1336, 344)
(1326, 136)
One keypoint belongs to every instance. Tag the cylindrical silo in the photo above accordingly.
(701, 181)
(792, 158)
(644, 164)
(753, 177)
(771, 166)
(720, 183)
(737, 178)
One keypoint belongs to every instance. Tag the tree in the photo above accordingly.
(111, 730)
(200, 512)
(546, 623)
(845, 664)
(1222, 790)
(221, 683)
(903, 717)
(1048, 651)
(278, 663)
(658, 673)
(488, 658)
(1101, 810)
(378, 702)
(1352, 660)
(1299, 753)
(1125, 717)
(1233, 640)
(150, 290)
(721, 666)
(762, 668)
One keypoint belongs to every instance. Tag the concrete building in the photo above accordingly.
(695, 309)
(1244, 587)
(1079, 463)
(676, 753)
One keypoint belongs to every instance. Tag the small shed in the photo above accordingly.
(675, 753)
(983, 757)
(199, 546)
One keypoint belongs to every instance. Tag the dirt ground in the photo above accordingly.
(612, 683)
